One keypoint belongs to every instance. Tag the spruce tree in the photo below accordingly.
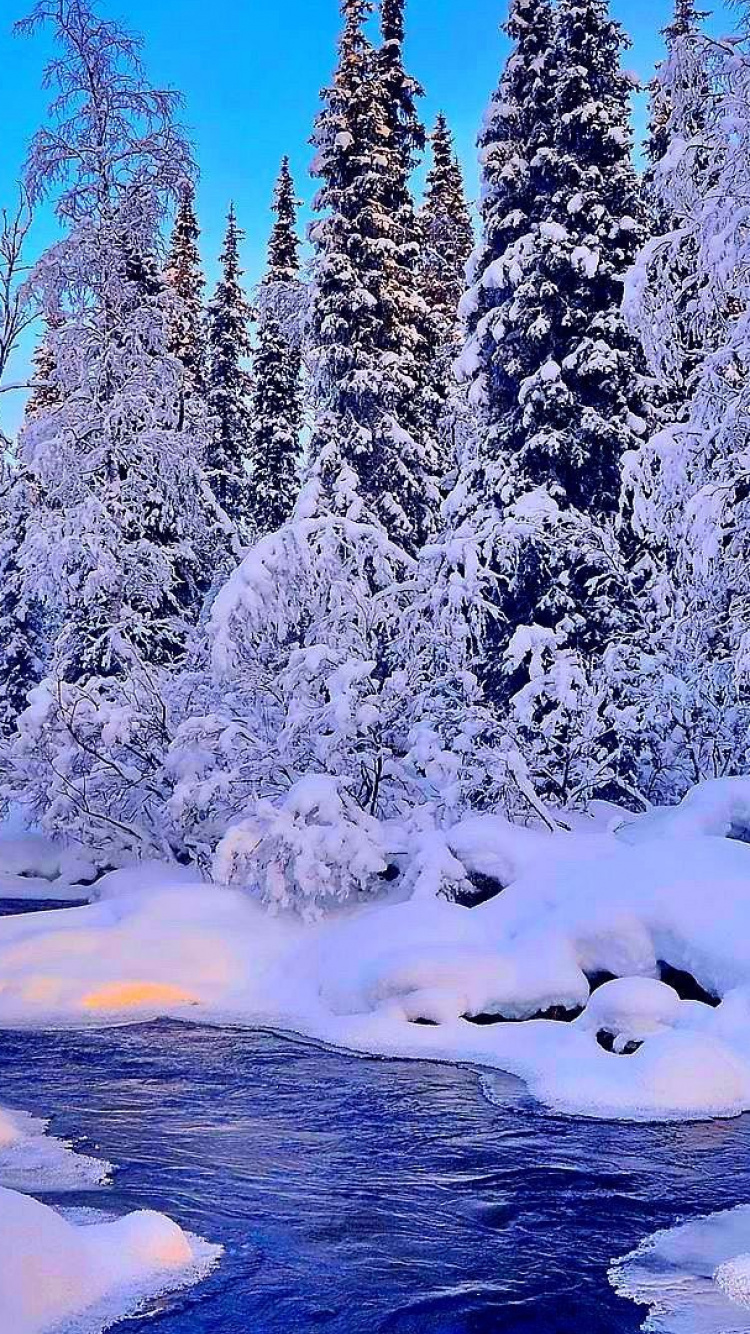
(284, 243)
(447, 234)
(45, 392)
(276, 406)
(415, 335)
(555, 374)
(447, 238)
(229, 346)
(364, 339)
(572, 434)
(22, 639)
(515, 153)
(184, 276)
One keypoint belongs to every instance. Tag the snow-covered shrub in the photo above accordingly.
(313, 847)
(87, 762)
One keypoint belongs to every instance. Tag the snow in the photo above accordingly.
(695, 1277)
(720, 806)
(32, 1160)
(576, 904)
(32, 867)
(52, 1270)
(632, 1009)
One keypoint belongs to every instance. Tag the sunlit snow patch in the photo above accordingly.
(695, 1278)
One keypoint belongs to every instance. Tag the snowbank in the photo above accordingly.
(695, 1278)
(52, 1270)
(32, 1160)
(514, 983)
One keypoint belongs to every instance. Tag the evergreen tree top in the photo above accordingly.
(355, 14)
(401, 91)
(443, 152)
(446, 230)
(283, 245)
(230, 254)
(445, 211)
(520, 111)
(392, 21)
(686, 20)
(229, 316)
(183, 267)
(593, 98)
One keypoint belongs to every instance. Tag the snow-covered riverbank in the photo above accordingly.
(667, 896)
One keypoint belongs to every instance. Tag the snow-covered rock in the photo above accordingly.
(631, 1009)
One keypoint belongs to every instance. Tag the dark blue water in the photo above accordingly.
(12, 907)
(362, 1195)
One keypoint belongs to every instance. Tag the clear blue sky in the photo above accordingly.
(251, 71)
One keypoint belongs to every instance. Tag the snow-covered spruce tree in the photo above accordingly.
(514, 150)
(126, 537)
(229, 346)
(276, 400)
(284, 243)
(415, 332)
(22, 637)
(184, 274)
(364, 341)
(447, 236)
(689, 486)
(446, 241)
(555, 374)
(45, 392)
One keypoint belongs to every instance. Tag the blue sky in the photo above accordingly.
(251, 71)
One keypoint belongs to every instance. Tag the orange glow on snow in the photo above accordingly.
(131, 995)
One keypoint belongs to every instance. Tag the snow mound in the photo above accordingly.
(144, 878)
(56, 1275)
(694, 1278)
(719, 806)
(733, 1277)
(631, 1009)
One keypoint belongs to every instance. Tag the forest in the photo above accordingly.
(426, 522)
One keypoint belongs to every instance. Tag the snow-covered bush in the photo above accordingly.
(87, 762)
(312, 848)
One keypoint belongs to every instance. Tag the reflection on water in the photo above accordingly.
(368, 1196)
